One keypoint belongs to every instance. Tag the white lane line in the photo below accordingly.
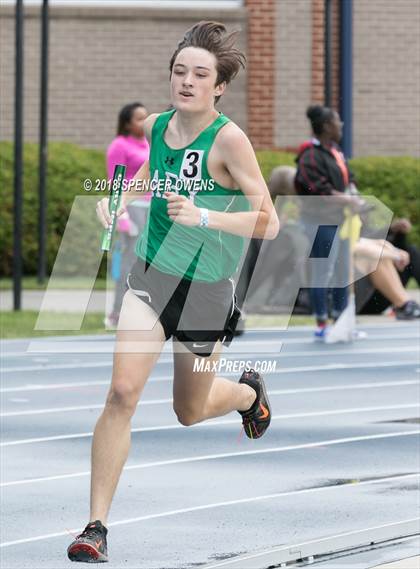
(28, 344)
(40, 387)
(319, 353)
(281, 354)
(247, 344)
(350, 386)
(283, 338)
(86, 365)
(327, 367)
(77, 365)
(76, 408)
(324, 388)
(50, 355)
(190, 459)
(329, 541)
(166, 359)
(215, 423)
(214, 505)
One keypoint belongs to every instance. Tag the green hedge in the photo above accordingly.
(396, 181)
(68, 166)
(393, 180)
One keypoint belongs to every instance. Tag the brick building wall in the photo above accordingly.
(292, 72)
(386, 83)
(100, 60)
(318, 52)
(260, 67)
(335, 48)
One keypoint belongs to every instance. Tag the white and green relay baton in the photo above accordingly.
(114, 204)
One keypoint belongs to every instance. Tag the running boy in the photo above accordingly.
(212, 196)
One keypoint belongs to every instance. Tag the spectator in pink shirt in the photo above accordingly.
(129, 147)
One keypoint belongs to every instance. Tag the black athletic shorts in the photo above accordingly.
(197, 314)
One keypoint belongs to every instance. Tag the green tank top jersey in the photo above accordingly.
(195, 253)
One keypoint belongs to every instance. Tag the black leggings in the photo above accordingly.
(377, 303)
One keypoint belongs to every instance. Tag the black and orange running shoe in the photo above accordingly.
(257, 419)
(90, 546)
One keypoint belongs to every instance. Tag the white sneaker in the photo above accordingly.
(320, 333)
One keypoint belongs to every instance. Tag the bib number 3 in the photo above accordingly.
(191, 164)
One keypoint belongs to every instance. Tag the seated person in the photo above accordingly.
(383, 286)
(274, 271)
(281, 265)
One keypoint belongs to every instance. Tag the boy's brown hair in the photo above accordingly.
(213, 37)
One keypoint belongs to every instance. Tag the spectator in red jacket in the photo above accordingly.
(322, 172)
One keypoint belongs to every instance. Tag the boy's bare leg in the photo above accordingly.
(202, 395)
(111, 441)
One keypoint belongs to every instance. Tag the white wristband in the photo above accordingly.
(204, 217)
